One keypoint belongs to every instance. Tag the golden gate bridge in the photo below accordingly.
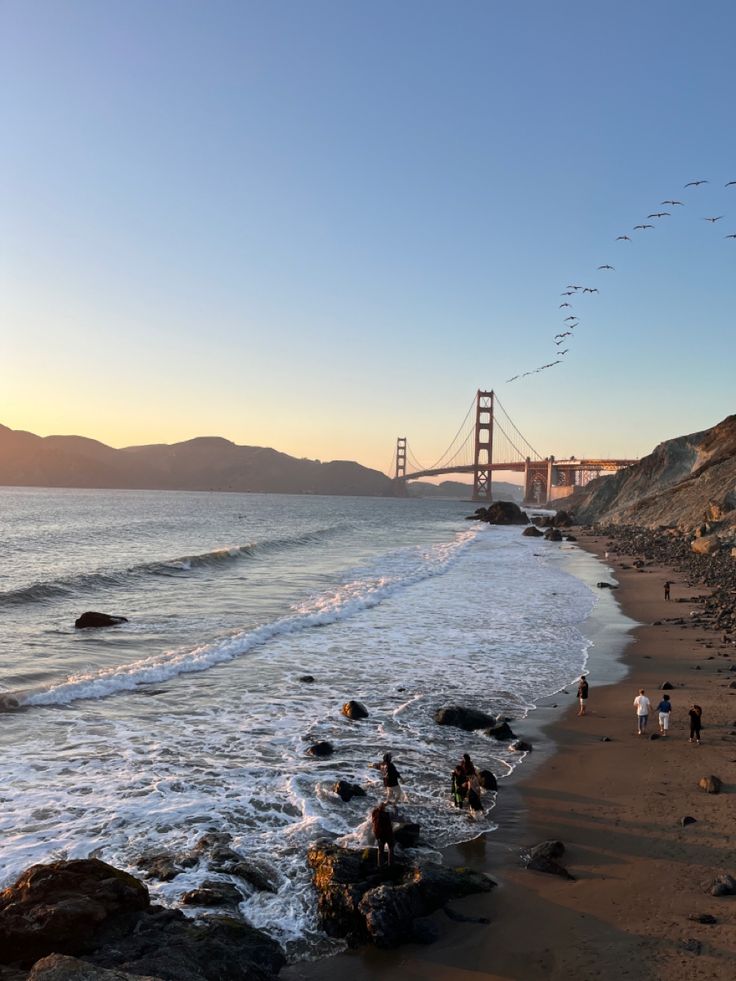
(487, 442)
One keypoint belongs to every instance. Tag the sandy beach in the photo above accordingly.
(617, 805)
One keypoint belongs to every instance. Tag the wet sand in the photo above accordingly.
(617, 806)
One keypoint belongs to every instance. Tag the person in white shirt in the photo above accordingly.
(642, 706)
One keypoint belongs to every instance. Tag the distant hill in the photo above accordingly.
(206, 463)
(458, 491)
(683, 482)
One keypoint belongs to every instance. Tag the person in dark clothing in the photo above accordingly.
(582, 694)
(383, 832)
(472, 785)
(695, 714)
(667, 589)
(466, 765)
(391, 778)
(458, 786)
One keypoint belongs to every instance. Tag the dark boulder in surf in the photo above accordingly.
(463, 718)
(532, 532)
(521, 746)
(346, 791)
(61, 907)
(362, 902)
(213, 892)
(321, 749)
(501, 513)
(92, 619)
(501, 731)
(553, 535)
(487, 780)
(406, 834)
(562, 520)
(307, 679)
(355, 710)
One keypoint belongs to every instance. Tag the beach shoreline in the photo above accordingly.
(617, 805)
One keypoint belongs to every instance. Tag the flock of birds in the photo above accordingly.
(571, 321)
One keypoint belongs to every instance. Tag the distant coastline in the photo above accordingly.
(205, 463)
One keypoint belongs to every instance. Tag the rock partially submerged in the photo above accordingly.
(322, 749)
(501, 513)
(92, 619)
(532, 532)
(355, 710)
(463, 718)
(361, 902)
(346, 791)
(502, 731)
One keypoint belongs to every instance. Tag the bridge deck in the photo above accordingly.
(570, 466)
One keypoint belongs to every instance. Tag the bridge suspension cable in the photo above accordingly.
(446, 457)
(534, 454)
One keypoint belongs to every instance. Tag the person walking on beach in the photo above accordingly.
(383, 832)
(582, 694)
(667, 589)
(642, 706)
(695, 714)
(391, 779)
(664, 708)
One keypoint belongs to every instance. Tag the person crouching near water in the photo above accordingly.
(383, 832)
(458, 786)
(391, 779)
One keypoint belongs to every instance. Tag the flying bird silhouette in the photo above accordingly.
(714, 220)
(730, 184)
(590, 289)
(605, 267)
(696, 183)
(571, 287)
(673, 203)
(623, 238)
(571, 317)
(565, 305)
(566, 334)
(569, 293)
(659, 214)
(642, 226)
(729, 236)
(565, 351)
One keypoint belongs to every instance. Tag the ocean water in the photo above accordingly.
(190, 717)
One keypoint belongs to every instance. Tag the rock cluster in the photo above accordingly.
(501, 513)
(86, 908)
(360, 901)
(673, 548)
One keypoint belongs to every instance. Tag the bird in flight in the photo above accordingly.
(642, 226)
(568, 293)
(605, 267)
(729, 236)
(564, 352)
(623, 238)
(714, 220)
(659, 214)
(673, 203)
(730, 184)
(571, 318)
(565, 305)
(566, 334)
(590, 289)
(696, 183)
(571, 287)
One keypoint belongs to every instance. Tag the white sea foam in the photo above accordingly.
(477, 618)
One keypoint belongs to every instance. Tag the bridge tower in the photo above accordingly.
(483, 456)
(400, 457)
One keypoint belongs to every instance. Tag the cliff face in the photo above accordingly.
(682, 483)
(206, 463)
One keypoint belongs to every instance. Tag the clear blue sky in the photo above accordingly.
(319, 225)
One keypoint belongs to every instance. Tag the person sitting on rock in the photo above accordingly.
(458, 786)
(466, 765)
(383, 832)
(391, 778)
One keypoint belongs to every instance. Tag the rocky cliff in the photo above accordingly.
(205, 463)
(684, 483)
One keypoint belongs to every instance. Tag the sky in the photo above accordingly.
(321, 225)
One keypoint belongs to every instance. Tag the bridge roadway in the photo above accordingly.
(520, 466)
